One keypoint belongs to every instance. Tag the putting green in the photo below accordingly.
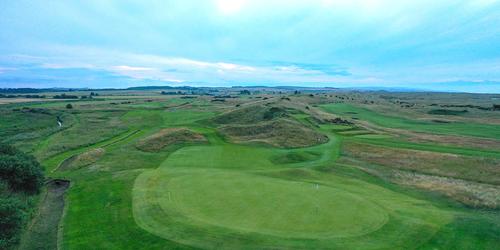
(252, 203)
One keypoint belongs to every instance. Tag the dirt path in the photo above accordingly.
(42, 233)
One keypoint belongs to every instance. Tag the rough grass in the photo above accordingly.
(89, 128)
(442, 164)
(83, 159)
(167, 137)
(250, 115)
(470, 193)
(26, 127)
(450, 140)
(273, 124)
(42, 233)
(283, 133)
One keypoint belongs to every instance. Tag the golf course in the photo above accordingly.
(313, 170)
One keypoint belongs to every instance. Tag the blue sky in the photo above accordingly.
(447, 45)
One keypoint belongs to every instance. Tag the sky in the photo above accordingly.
(445, 45)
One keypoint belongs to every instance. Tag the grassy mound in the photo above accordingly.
(250, 115)
(285, 133)
(166, 137)
(83, 159)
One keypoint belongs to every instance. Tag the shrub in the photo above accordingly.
(12, 217)
(273, 113)
(447, 112)
(64, 96)
(6, 149)
(69, 106)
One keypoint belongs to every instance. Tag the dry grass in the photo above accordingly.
(477, 169)
(21, 100)
(250, 115)
(470, 193)
(166, 137)
(462, 141)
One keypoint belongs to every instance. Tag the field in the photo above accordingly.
(275, 169)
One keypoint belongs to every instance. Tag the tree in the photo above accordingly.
(69, 106)
(20, 171)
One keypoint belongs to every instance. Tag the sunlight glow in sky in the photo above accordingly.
(440, 45)
(230, 6)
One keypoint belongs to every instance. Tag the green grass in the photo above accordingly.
(255, 204)
(53, 163)
(295, 157)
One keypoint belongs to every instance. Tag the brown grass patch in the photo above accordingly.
(477, 169)
(83, 159)
(470, 193)
(462, 141)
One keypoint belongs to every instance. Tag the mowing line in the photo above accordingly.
(60, 158)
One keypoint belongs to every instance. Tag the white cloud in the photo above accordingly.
(6, 69)
(190, 71)
(126, 68)
(143, 73)
(177, 69)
